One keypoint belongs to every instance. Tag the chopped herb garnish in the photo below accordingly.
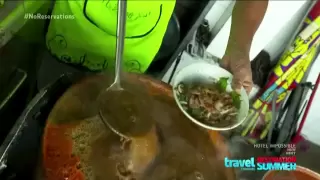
(236, 99)
(223, 83)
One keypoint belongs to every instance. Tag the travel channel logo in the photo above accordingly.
(262, 163)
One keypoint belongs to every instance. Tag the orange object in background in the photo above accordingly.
(300, 173)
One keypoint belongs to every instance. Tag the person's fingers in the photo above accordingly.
(247, 83)
(244, 80)
(241, 70)
(236, 84)
(247, 86)
(224, 63)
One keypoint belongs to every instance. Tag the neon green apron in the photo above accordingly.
(89, 39)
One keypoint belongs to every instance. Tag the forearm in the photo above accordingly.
(246, 18)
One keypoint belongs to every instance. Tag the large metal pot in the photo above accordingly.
(184, 151)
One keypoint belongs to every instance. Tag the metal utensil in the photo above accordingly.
(133, 121)
(121, 31)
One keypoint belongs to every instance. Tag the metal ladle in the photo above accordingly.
(120, 109)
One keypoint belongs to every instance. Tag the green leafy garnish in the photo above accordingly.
(236, 99)
(223, 83)
(196, 111)
(182, 97)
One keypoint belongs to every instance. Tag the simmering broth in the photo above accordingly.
(84, 149)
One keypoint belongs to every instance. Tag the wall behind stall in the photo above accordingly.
(280, 21)
(282, 39)
(216, 12)
(311, 127)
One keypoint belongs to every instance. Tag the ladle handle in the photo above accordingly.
(121, 31)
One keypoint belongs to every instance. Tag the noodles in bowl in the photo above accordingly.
(210, 104)
(204, 94)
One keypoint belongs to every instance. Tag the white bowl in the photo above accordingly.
(207, 74)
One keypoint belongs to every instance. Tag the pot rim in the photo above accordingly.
(302, 169)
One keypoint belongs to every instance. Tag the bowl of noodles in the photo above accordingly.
(203, 92)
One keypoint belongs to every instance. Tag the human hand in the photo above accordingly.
(239, 66)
